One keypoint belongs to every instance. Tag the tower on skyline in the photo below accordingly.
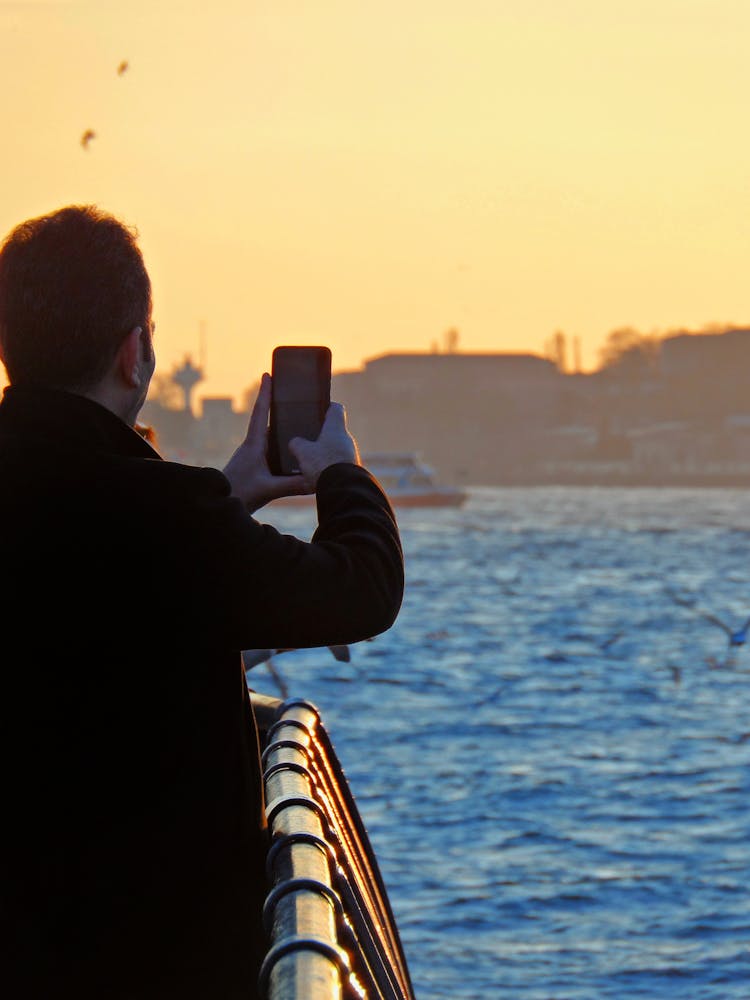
(187, 376)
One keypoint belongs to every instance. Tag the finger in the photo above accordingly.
(258, 426)
(298, 447)
(285, 486)
(335, 416)
(335, 421)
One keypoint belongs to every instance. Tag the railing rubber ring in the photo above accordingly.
(280, 723)
(330, 951)
(283, 802)
(284, 745)
(287, 765)
(299, 837)
(299, 885)
(300, 703)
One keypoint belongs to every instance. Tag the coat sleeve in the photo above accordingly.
(274, 590)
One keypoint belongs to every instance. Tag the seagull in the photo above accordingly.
(604, 646)
(87, 136)
(676, 672)
(122, 67)
(252, 657)
(736, 637)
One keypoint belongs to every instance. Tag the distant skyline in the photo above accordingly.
(371, 176)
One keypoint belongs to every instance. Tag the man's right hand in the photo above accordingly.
(335, 444)
(247, 470)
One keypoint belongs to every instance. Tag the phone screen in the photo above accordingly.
(300, 396)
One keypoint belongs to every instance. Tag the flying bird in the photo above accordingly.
(735, 636)
(122, 68)
(604, 646)
(252, 657)
(87, 136)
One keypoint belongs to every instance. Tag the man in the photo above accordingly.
(132, 839)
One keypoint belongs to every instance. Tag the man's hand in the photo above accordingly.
(334, 444)
(247, 470)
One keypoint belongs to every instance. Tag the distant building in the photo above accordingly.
(466, 414)
(219, 431)
(513, 418)
(208, 440)
(690, 353)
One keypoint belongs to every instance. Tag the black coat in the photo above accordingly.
(133, 834)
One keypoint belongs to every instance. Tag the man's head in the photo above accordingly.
(73, 288)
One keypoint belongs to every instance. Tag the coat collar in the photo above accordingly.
(62, 417)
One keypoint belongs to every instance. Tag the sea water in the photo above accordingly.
(550, 748)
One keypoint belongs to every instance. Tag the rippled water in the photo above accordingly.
(550, 749)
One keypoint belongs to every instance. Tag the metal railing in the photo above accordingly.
(331, 929)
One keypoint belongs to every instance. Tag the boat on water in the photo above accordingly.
(406, 480)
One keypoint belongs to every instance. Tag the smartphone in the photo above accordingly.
(300, 396)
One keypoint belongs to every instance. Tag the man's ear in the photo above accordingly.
(129, 358)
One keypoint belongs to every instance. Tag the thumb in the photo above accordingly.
(299, 448)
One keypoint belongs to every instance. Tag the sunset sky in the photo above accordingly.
(369, 175)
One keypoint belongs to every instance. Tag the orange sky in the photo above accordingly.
(368, 175)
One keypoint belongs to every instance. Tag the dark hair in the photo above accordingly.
(73, 284)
